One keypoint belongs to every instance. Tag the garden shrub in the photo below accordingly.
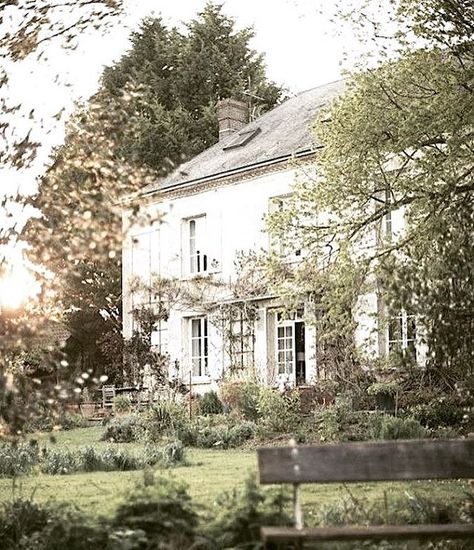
(90, 459)
(163, 511)
(172, 453)
(242, 397)
(122, 404)
(20, 518)
(168, 419)
(71, 421)
(240, 513)
(392, 427)
(209, 403)
(17, 459)
(223, 431)
(329, 424)
(402, 508)
(118, 459)
(25, 525)
(123, 430)
(279, 412)
(444, 411)
(60, 462)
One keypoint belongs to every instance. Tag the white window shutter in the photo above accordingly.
(213, 242)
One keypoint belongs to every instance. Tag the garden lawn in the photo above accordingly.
(209, 473)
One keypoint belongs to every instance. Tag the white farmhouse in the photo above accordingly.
(209, 212)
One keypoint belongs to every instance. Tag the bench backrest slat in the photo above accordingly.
(381, 461)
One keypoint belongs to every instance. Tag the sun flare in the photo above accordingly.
(17, 288)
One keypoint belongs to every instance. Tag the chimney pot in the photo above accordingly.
(232, 115)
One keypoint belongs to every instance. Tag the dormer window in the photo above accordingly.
(242, 138)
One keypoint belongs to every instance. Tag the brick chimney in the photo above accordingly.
(232, 115)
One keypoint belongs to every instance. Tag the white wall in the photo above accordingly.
(234, 223)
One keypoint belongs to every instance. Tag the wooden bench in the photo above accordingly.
(358, 462)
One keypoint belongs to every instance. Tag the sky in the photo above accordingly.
(301, 48)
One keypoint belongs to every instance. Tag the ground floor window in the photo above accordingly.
(402, 333)
(285, 349)
(290, 346)
(242, 341)
(199, 346)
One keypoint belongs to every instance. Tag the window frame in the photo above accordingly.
(405, 339)
(196, 260)
(282, 366)
(241, 343)
(202, 338)
(277, 204)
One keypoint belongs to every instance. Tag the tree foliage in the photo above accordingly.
(179, 76)
(400, 140)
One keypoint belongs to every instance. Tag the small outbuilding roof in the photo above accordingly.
(275, 136)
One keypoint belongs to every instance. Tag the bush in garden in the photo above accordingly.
(209, 403)
(25, 524)
(60, 462)
(242, 397)
(89, 459)
(122, 404)
(279, 412)
(173, 453)
(168, 419)
(224, 432)
(118, 459)
(123, 430)
(20, 518)
(392, 427)
(163, 511)
(17, 459)
(240, 513)
(70, 421)
(329, 424)
(443, 411)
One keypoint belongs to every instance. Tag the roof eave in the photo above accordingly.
(227, 173)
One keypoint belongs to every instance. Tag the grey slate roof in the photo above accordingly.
(284, 131)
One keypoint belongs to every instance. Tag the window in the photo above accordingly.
(196, 256)
(159, 337)
(285, 347)
(280, 204)
(402, 333)
(199, 346)
(241, 342)
(145, 263)
(242, 138)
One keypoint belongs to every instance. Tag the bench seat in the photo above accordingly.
(375, 532)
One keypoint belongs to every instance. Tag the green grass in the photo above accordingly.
(209, 473)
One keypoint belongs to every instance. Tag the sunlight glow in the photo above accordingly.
(17, 287)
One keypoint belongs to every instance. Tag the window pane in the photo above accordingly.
(395, 329)
(196, 347)
(411, 328)
(196, 328)
(196, 367)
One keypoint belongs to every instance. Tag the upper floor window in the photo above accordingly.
(279, 205)
(196, 247)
